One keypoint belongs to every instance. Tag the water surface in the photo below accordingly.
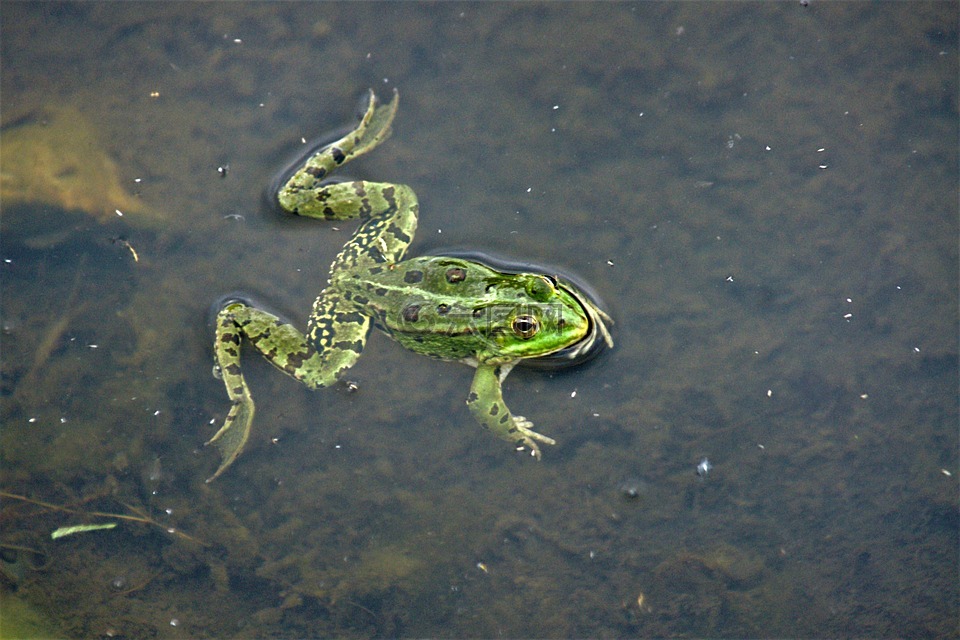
(765, 195)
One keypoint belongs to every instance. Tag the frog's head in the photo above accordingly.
(537, 315)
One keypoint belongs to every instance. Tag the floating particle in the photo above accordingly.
(704, 468)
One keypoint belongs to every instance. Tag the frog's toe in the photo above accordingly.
(523, 426)
(528, 436)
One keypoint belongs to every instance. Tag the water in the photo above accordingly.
(763, 194)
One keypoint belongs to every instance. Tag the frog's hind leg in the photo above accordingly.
(299, 194)
(287, 349)
(388, 212)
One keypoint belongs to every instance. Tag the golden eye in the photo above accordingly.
(526, 326)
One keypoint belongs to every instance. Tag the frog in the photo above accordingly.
(442, 306)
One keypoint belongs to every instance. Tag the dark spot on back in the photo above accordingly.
(411, 312)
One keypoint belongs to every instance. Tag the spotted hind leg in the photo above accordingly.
(299, 194)
(333, 347)
(388, 212)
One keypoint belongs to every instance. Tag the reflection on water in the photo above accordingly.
(764, 196)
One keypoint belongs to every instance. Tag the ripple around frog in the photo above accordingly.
(497, 318)
(565, 358)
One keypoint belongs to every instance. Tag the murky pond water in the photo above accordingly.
(764, 195)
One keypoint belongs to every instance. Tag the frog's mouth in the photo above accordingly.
(590, 345)
(596, 337)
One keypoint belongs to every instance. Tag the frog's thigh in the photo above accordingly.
(285, 347)
(336, 333)
(389, 220)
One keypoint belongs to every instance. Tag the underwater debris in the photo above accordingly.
(54, 156)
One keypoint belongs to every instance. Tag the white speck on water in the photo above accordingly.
(704, 468)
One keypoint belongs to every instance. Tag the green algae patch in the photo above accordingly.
(22, 620)
(55, 156)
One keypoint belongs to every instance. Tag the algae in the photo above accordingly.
(22, 620)
(57, 157)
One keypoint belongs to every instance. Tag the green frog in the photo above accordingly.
(445, 307)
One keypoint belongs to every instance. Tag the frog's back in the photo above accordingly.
(428, 304)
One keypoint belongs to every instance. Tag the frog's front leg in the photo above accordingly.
(334, 342)
(487, 406)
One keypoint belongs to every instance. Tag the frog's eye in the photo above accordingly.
(526, 326)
